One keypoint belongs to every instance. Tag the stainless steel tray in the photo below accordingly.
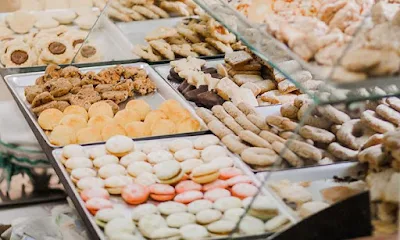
(112, 43)
(17, 82)
(120, 204)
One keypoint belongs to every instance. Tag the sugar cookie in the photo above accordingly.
(110, 170)
(159, 156)
(187, 185)
(150, 223)
(111, 129)
(143, 210)
(100, 108)
(120, 145)
(187, 153)
(193, 231)
(163, 127)
(124, 117)
(62, 135)
(199, 205)
(188, 196)
(137, 130)
(101, 161)
(135, 194)
(74, 109)
(216, 193)
(136, 168)
(88, 135)
(181, 219)
(95, 192)
(99, 121)
(95, 204)
(50, 118)
(204, 141)
(179, 144)
(213, 151)
(189, 164)
(205, 173)
(168, 208)
(74, 121)
(208, 216)
(115, 184)
(133, 157)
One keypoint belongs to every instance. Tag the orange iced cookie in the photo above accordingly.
(244, 190)
(187, 185)
(94, 193)
(95, 204)
(135, 194)
(227, 173)
(216, 193)
(162, 192)
(188, 196)
(216, 184)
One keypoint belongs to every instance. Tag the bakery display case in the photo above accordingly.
(274, 38)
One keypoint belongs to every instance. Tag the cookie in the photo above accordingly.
(50, 118)
(168, 208)
(184, 50)
(140, 106)
(143, 210)
(163, 48)
(179, 144)
(135, 156)
(193, 231)
(120, 145)
(137, 129)
(161, 33)
(88, 135)
(259, 156)
(62, 135)
(21, 21)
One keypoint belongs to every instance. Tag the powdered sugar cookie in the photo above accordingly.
(189, 164)
(143, 210)
(216, 193)
(208, 216)
(188, 196)
(181, 219)
(46, 22)
(120, 145)
(168, 208)
(133, 157)
(159, 156)
(179, 144)
(86, 22)
(223, 162)
(21, 21)
(244, 190)
(213, 151)
(199, 205)
(193, 231)
(149, 223)
(187, 153)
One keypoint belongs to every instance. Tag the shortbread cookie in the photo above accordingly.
(57, 51)
(146, 52)
(161, 33)
(19, 55)
(176, 7)
(159, 11)
(184, 50)
(220, 46)
(163, 48)
(219, 32)
(86, 22)
(189, 34)
(21, 21)
(88, 53)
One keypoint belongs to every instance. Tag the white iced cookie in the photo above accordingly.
(56, 50)
(186, 153)
(146, 179)
(80, 173)
(159, 156)
(233, 214)
(168, 208)
(205, 141)
(86, 22)
(97, 152)
(143, 210)
(133, 157)
(181, 219)
(199, 205)
(74, 150)
(152, 147)
(90, 182)
(222, 227)
(103, 216)
(20, 21)
(149, 223)
(119, 225)
(46, 23)
(190, 164)
(99, 162)
(165, 233)
(309, 208)
(120, 145)
(78, 162)
(111, 170)
(139, 167)
(193, 232)
(263, 207)
(65, 17)
(223, 162)
(251, 225)
(212, 152)
(88, 53)
(19, 55)
(115, 184)
(208, 216)
(179, 144)
(226, 203)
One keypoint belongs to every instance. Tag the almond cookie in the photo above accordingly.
(316, 134)
(388, 114)
(287, 154)
(163, 48)
(374, 122)
(259, 156)
(341, 152)
(304, 150)
(234, 143)
(254, 139)
(354, 134)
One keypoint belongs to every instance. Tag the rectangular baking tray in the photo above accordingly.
(112, 43)
(17, 82)
(127, 209)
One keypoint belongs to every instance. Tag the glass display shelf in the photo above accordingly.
(338, 87)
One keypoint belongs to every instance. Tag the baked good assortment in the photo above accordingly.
(191, 37)
(241, 78)
(328, 134)
(182, 188)
(32, 39)
(139, 10)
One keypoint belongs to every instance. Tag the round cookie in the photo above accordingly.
(115, 184)
(179, 144)
(168, 208)
(80, 173)
(187, 185)
(226, 203)
(208, 216)
(162, 192)
(133, 157)
(100, 108)
(96, 204)
(90, 182)
(124, 117)
(190, 164)
(204, 141)
(88, 135)
(119, 225)
(120, 145)
(62, 135)
(74, 150)
(159, 156)
(136, 168)
(216, 194)
(188, 196)
(178, 220)
(76, 122)
(221, 227)
(111, 170)
(238, 179)
(213, 151)
(163, 127)
(94, 192)
(135, 194)
(187, 153)
(137, 130)
(99, 121)
(140, 106)
(75, 109)
(167, 170)
(143, 210)
(244, 190)
(50, 118)
(227, 173)
(251, 225)
(216, 184)
(199, 205)
(153, 146)
(205, 173)
(193, 232)
(105, 215)
(46, 23)
(223, 162)
(97, 152)
(234, 214)
(99, 162)
(78, 162)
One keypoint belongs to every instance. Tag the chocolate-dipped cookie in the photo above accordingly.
(183, 85)
(192, 95)
(174, 75)
(209, 99)
(188, 88)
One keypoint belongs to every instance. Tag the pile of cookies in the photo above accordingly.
(139, 10)
(298, 195)
(383, 180)
(28, 40)
(191, 37)
(187, 189)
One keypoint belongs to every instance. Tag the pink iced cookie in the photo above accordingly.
(216, 193)
(239, 179)
(188, 197)
(187, 185)
(162, 192)
(244, 190)
(94, 193)
(95, 204)
(227, 173)
(216, 184)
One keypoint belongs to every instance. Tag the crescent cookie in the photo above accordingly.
(57, 51)
(19, 56)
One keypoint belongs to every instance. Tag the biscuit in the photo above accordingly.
(163, 127)
(50, 118)
(100, 108)
(193, 231)
(137, 129)
(99, 121)
(74, 109)
(111, 129)
(289, 110)
(281, 122)
(163, 48)
(287, 154)
(125, 116)
(258, 121)
(188, 125)
(88, 135)
(341, 152)
(232, 125)
(375, 123)
(316, 134)
(246, 124)
(74, 121)
(140, 106)
(62, 135)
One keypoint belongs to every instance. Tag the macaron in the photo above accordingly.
(193, 232)
(188, 197)
(188, 165)
(170, 207)
(187, 185)
(162, 192)
(212, 152)
(104, 160)
(179, 144)
(120, 145)
(136, 168)
(216, 193)
(132, 157)
(115, 184)
(221, 227)
(74, 150)
(94, 193)
(205, 173)
(150, 223)
(97, 152)
(168, 172)
(216, 184)
(186, 153)
(111, 170)
(226, 203)
(96, 204)
(118, 226)
(103, 216)
(227, 173)
(223, 162)
(244, 190)
(79, 173)
(208, 216)
(78, 162)
(143, 210)
(199, 205)
(263, 207)
(178, 220)
(90, 182)
(135, 194)
(159, 156)
(238, 179)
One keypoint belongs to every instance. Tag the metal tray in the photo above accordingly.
(17, 82)
(112, 43)
(120, 204)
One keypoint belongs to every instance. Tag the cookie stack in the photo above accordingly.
(46, 39)
(191, 37)
(195, 183)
